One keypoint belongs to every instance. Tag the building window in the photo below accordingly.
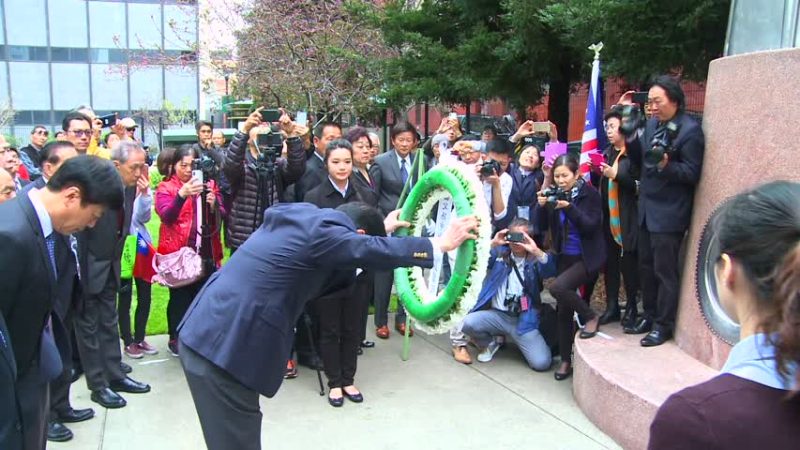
(66, 54)
(26, 53)
(108, 55)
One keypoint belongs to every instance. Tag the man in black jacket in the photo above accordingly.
(666, 196)
(324, 134)
(254, 190)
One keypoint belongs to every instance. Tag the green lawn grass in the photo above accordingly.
(157, 323)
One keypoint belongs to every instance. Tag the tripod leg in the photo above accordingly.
(307, 321)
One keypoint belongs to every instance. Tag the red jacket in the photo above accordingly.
(175, 231)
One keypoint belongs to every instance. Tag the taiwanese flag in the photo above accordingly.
(143, 266)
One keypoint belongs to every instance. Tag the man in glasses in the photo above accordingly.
(78, 128)
(39, 136)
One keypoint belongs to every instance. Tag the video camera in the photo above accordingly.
(490, 168)
(555, 194)
(207, 165)
(269, 146)
(662, 144)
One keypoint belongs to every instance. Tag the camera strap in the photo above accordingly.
(534, 300)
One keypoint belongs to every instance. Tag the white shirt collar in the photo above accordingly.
(343, 192)
(400, 160)
(41, 212)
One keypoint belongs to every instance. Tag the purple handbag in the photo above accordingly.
(183, 267)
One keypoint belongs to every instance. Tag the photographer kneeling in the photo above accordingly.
(509, 299)
(668, 149)
(572, 211)
(259, 176)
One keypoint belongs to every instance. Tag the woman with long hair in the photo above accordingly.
(754, 402)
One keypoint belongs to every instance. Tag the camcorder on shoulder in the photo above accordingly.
(554, 194)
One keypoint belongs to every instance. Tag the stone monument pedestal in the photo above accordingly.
(750, 124)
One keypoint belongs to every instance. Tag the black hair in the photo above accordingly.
(97, 179)
(364, 217)
(74, 115)
(673, 89)
(170, 156)
(356, 133)
(519, 222)
(320, 128)
(613, 114)
(403, 127)
(760, 229)
(50, 150)
(13, 149)
(566, 160)
(336, 144)
(39, 127)
(491, 128)
(498, 146)
(203, 123)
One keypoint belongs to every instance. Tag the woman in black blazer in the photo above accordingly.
(618, 189)
(362, 153)
(574, 221)
(340, 311)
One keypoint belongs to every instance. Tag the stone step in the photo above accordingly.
(619, 384)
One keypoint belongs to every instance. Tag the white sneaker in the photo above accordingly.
(488, 353)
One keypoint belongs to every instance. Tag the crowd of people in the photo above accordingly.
(82, 195)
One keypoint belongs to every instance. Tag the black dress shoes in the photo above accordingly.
(57, 432)
(125, 368)
(75, 374)
(75, 415)
(629, 318)
(129, 385)
(108, 398)
(641, 326)
(336, 402)
(367, 344)
(561, 376)
(655, 338)
(355, 398)
(611, 315)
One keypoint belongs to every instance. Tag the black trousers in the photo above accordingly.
(365, 286)
(59, 388)
(179, 301)
(621, 264)
(143, 296)
(34, 397)
(98, 336)
(340, 335)
(660, 274)
(571, 275)
(383, 292)
(228, 411)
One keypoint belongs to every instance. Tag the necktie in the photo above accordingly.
(403, 171)
(51, 250)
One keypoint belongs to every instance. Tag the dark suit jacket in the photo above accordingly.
(666, 198)
(325, 196)
(242, 320)
(100, 248)
(385, 173)
(366, 188)
(10, 428)
(312, 177)
(28, 289)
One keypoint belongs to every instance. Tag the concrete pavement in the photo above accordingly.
(428, 402)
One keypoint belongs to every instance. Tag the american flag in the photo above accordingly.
(594, 135)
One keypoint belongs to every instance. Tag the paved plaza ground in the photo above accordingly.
(427, 402)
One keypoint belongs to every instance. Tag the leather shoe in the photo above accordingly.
(355, 398)
(75, 374)
(629, 318)
(335, 402)
(401, 328)
(610, 315)
(125, 368)
(561, 376)
(57, 432)
(655, 338)
(382, 332)
(108, 398)
(129, 385)
(586, 333)
(367, 344)
(641, 326)
(75, 415)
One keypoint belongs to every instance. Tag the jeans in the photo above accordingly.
(482, 326)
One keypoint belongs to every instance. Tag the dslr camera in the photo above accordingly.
(491, 167)
(555, 194)
(662, 144)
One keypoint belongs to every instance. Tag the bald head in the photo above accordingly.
(7, 187)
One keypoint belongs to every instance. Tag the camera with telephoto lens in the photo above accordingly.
(491, 167)
(207, 165)
(555, 194)
(662, 144)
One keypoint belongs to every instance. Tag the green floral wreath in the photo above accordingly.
(437, 314)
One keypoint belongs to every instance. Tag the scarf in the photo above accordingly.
(613, 204)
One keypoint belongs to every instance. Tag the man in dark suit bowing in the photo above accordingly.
(237, 333)
(10, 425)
(31, 256)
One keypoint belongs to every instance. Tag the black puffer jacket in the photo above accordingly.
(239, 168)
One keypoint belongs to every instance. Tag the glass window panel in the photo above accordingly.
(30, 85)
(180, 27)
(181, 87)
(65, 54)
(26, 22)
(67, 23)
(756, 26)
(2, 30)
(107, 25)
(42, 117)
(70, 85)
(109, 87)
(108, 55)
(146, 88)
(4, 84)
(23, 118)
(144, 26)
(25, 53)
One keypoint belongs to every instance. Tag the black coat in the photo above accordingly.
(10, 426)
(240, 170)
(585, 213)
(627, 178)
(312, 177)
(325, 196)
(666, 197)
(523, 193)
(367, 189)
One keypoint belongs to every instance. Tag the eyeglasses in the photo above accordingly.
(42, 133)
(80, 133)
(131, 129)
